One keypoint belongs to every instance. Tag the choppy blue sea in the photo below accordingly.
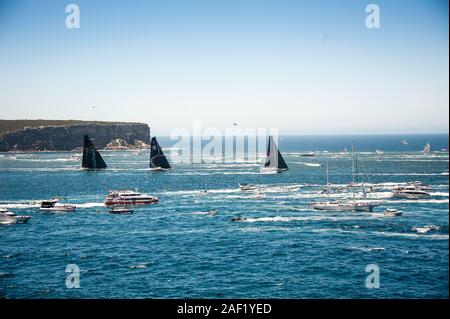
(175, 249)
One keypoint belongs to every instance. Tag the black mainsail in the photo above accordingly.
(157, 158)
(91, 157)
(274, 159)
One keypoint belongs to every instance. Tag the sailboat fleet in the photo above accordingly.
(122, 201)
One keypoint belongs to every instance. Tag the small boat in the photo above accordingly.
(212, 212)
(412, 186)
(408, 193)
(247, 187)
(91, 157)
(404, 142)
(425, 229)
(129, 197)
(390, 212)
(121, 210)
(308, 154)
(427, 148)
(51, 206)
(274, 160)
(158, 161)
(7, 217)
(202, 192)
(339, 206)
(238, 219)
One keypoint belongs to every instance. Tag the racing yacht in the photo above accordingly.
(158, 161)
(274, 160)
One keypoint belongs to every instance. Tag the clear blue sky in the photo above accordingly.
(301, 66)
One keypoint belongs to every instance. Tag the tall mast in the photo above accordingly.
(328, 183)
(353, 170)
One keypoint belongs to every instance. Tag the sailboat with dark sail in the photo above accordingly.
(274, 160)
(158, 161)
(91, 157)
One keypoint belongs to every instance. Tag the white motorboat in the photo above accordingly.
(52, 206)
(341, 206)
(7, 217)
(212, 212)
(121, 210)
(247, 187)
(129, 197)
(391, 212)
(410, 193)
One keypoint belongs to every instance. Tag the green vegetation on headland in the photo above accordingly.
(66, 135)
(16, 125)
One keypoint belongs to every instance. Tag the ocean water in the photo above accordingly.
(174, 249)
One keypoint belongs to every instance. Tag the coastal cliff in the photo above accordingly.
(68, 135)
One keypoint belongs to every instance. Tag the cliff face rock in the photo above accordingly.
(69, 137)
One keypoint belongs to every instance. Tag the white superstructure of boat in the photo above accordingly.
(7, 217)
(408, 193)
(391, 212)
(129, 197)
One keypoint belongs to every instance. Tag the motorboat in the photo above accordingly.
(212, 212)
(7, 217)
(408, 193)
(341, 206)
(247, 187)
(415, 185)
(390, 212)
(238, 219)
(308, 154)
(52, 206)
(129, 197)
(121, 210)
